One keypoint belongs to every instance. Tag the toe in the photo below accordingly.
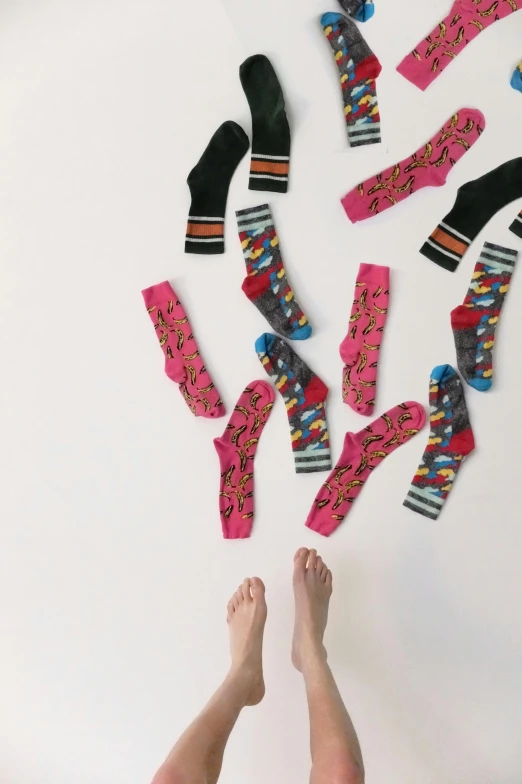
(230, 609)
(323, 573)
(312, 560)
(319, 565)
(329, 579)
(300, 559)
(236, 599)
(257, 587)
(245, 589)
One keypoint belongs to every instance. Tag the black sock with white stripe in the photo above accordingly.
(270, 161)
(209, 181)
(476, 203)
(516, 226)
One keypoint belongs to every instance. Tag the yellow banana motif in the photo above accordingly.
(406, 185)
(367, 383)
(328, 486)
(207, 389)
(242, 410)
(267, 408)
(192, 373)
(162, 321)
(428, 151)
(225, 495)
(250, 442)
(442, 30)
(246, 478)
(206, 404)
(362, 363)
(190, 357)
(449, 54)
(355, 317)
(237, 433)
(169, 353)
(389, 423)
(228, 511)
(378, 292)
(150, 310)
(490, 10)
(391, 199)
(370, 440)
(377, 309)
(254, 399)
(455, 20)
(170, 307)
(379, 187)
(369, 347)
(415, 165)
(371, 325)
(373, 205)
(256, 425)
(460, 36)
(358, 396)
(462, 142)
(323, 503)
(353, 332)
(247, 516)
(431, 48)
(360, 188)
(435, 64)
(363, 465)
(512, 4)
(340, 499)
(337, 517)
(404, 418)
(240, 500)
(352, 484)
(410, 432)
(181, 338)
(228, 476)
(362, 299)
(477, 24)
(164, 338)
(242, 460)
(442, 160)
(445, 137)
(395, 173)
(340, 473)
(393, 440)
(416, 54)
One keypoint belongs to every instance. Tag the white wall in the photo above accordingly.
(113, 583)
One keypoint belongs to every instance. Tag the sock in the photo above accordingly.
(362, 453)
(270, 161)
(516, 226)
(466, 20)
(358, 69)
(209, 181)
(361, 10)
(474, 323)
(304, 394)
(429, 166)
(266, 284)
(450, 442)
(360, 348)
(183, 361)
(236, 450)
(476, 203)
(516, 79)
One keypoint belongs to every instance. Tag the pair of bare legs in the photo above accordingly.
(336, 755)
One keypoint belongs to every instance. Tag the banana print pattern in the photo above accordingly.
(428, 166)
(466, 20)
(360, 348)
(183, 361)
(362, 453)
(236, 451)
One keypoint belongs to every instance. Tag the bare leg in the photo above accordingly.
(198, 755)
(336, 754)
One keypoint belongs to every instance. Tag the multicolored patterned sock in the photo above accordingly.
(474, 323)
(361, 10)
(358, 69)
(466, 20)
(516, 226)
(360, 348)
(270, 162)
(516, 79)
(236, 450)
(362, 453)
(429, 166)
(209, 181)
(183, 361)
(476, 203)
(266, 284)
(450, 442)
(304, 394)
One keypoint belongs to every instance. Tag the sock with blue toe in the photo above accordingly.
(360, 10)
(516, 79)
(474, 323)
(266, 284)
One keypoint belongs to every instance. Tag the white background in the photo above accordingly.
(113, 574)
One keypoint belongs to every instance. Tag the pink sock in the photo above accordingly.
(236, 450)
(466, 20)
(430, 165)
(362, 452)
(360, 348)
(183, 362)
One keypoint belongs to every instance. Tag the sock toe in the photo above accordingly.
(264, 343)
(418, 414)
(442, 373)
(480, 384)
(302, 333)
(330, 18)
(365, 12)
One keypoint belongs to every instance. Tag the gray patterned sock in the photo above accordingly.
(266, 284)
(362, 10)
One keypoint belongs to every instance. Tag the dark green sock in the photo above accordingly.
(208, 182)
(270, 160)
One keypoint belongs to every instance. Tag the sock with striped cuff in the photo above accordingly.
(209, 181)
(428, 166)
(361, 347)
(266, 284)
(516, 226)
(476, 203)
(450, 442)
(270, 161)
(358, 70)
(183, 361)
(466, 20)
(362, 453)
(474, 323)
(236, 450)
(516, 79)
(360, 10)
(304, 394)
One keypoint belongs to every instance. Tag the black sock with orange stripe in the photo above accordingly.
(270, 161)
(209, 181)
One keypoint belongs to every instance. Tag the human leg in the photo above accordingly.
(198, 754)
(336, 753)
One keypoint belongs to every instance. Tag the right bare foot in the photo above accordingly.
(312, 589)
(246, 616)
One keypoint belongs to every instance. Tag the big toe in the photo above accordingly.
(300, 561)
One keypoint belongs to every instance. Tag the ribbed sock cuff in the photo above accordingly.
(269, 172)
(516, 226)
(359, 135)
(423, 502)
(446, 247)
(205, 235)
(311, 462)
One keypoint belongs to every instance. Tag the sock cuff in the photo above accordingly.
(516, 226)
(446, 246)
(269, 172)
(497, 256)
(374, 273)
(159, 293)
(313, 459)
(205, 234)
(424, 502)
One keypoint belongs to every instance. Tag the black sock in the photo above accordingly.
(208, 182)
(516, 226)
(270, 130)
(476, 203)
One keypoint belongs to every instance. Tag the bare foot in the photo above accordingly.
(312, 589)
(246, 620)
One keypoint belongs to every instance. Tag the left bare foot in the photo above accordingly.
(246, 620)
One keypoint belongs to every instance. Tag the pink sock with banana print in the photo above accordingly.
(429, 165)
(236, 451)
(362, 453)
(183, 361)
(360, 348)
(466, 20)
